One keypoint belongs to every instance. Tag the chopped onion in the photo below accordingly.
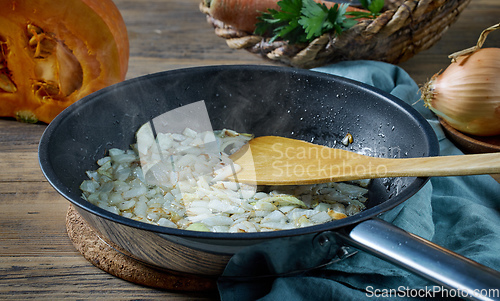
(176, 181)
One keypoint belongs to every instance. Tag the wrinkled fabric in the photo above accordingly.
(461, 214)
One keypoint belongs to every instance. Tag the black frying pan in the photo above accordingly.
(261, 100)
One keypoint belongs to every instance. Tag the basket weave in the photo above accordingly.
(403, 29)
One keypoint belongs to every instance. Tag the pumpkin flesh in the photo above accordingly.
(52, 53)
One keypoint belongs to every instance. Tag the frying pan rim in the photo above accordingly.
(386, 205)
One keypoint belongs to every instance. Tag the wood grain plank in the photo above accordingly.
(18, 136)
(32, 220)
(140, 64)
(72, 277)
(37, 259)
(21, 166)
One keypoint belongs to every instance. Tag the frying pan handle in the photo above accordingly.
(426, 259)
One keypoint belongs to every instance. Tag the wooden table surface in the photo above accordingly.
(37, 259)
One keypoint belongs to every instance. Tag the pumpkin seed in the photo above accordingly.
(33, 29)
(6, 84)
(41, 43)
(44, 89)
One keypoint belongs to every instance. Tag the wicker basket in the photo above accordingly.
(401, 31)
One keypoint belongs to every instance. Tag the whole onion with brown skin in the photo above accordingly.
(467, 94)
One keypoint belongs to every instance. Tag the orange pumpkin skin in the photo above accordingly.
(54, 52)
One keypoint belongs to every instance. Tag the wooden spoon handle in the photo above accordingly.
(441, 166)
(363, 167)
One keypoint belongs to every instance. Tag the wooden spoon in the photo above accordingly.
(271, 160)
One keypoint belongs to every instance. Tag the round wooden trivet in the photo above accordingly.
(100, 254)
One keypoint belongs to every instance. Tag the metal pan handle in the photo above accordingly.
(426, 259)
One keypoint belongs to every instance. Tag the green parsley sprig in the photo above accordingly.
(301, 21)
(373, 6)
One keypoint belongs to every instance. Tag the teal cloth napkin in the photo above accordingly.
(461, 214)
